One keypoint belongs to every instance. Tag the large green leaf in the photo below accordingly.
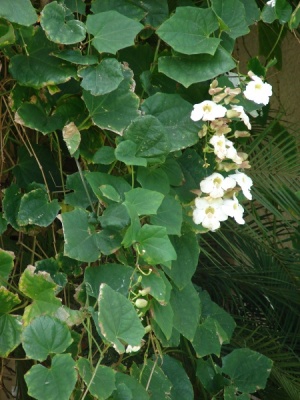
(118, 319)
(38, 68)
(115, 110)
(137, 391)
(153, 377)
(181, 386)
(157, 11)
(80, 240)
(126, 152)
(18, 11)
(41, 288)
(35, 209)
(196, 68)
(101, 381)
(115, 216)
(125, 7)
(184, 267)
(144, 201)
(158, 285)
(174, 113)
(78, 197)
(247, 369)
(188, 31)
(112, 31)
(163, 315)
(60, 26)
(150, 136)
(102, 78)
(154, 179)
(169, 215)
(186, 307)
(209, 338)
(76, 57)
(154, 244)
(10, 325)
(45, 335)
(56, 382)
(99, 181)
(6, 265)
(235, 22)
(117, 276)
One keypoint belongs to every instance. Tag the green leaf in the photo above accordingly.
(181, 386)
(188, 31)
(184, 267)
(283, 10)
(112, 31)
(102, 78)
(7, 264)
(154, 179)
(295, 19)
(235, 22)
(39, 68)
(45, 335)
(154, 244)
(109, 241)
(125, 7)
(186, 307)
(115, 110)
(10, 333)
(98, 180)
(118, 319)
(41, 288)
(100, 381)
(52, 383)
(18, 11)
(252, 12)
(72, 138)
(60, 25)
(76, 57)
(149, 135)
(163, 315)
(116, 276)
(144, 201)
(172, 342)
(35, 116)
(11, 203)
(136, 389)
(174, 113)
(196, 68)
(35, 209)
(247, 369)
(160, 288)
(173, 171)
(78, 198)
(105, 155)
(169, 215)
(209, 338)
(126, 152)
(157, 11)
(211, 310)
(80, 242)
(157, 382)
(209, 375)
(115, 216)
(10, 325)
(76, 6)
(7, 33)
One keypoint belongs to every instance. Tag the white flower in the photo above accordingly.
(207, 111)
(245, 182)
(209, 212)
(258, 91)
(244, 117)
(130, 349)
(271, 3)
(216, 185)
(223, 148)
(234, 210)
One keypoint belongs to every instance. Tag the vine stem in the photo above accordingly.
(276, 43)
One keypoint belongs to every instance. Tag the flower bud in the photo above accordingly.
(148, 329)
(141, 303)
(145, 291)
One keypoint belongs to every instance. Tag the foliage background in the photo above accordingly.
(252, 271)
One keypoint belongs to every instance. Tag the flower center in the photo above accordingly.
(210, 210)
(217, 182)
(258, 86)
(207, 108)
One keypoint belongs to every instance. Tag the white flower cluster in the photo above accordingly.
(220, 200)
